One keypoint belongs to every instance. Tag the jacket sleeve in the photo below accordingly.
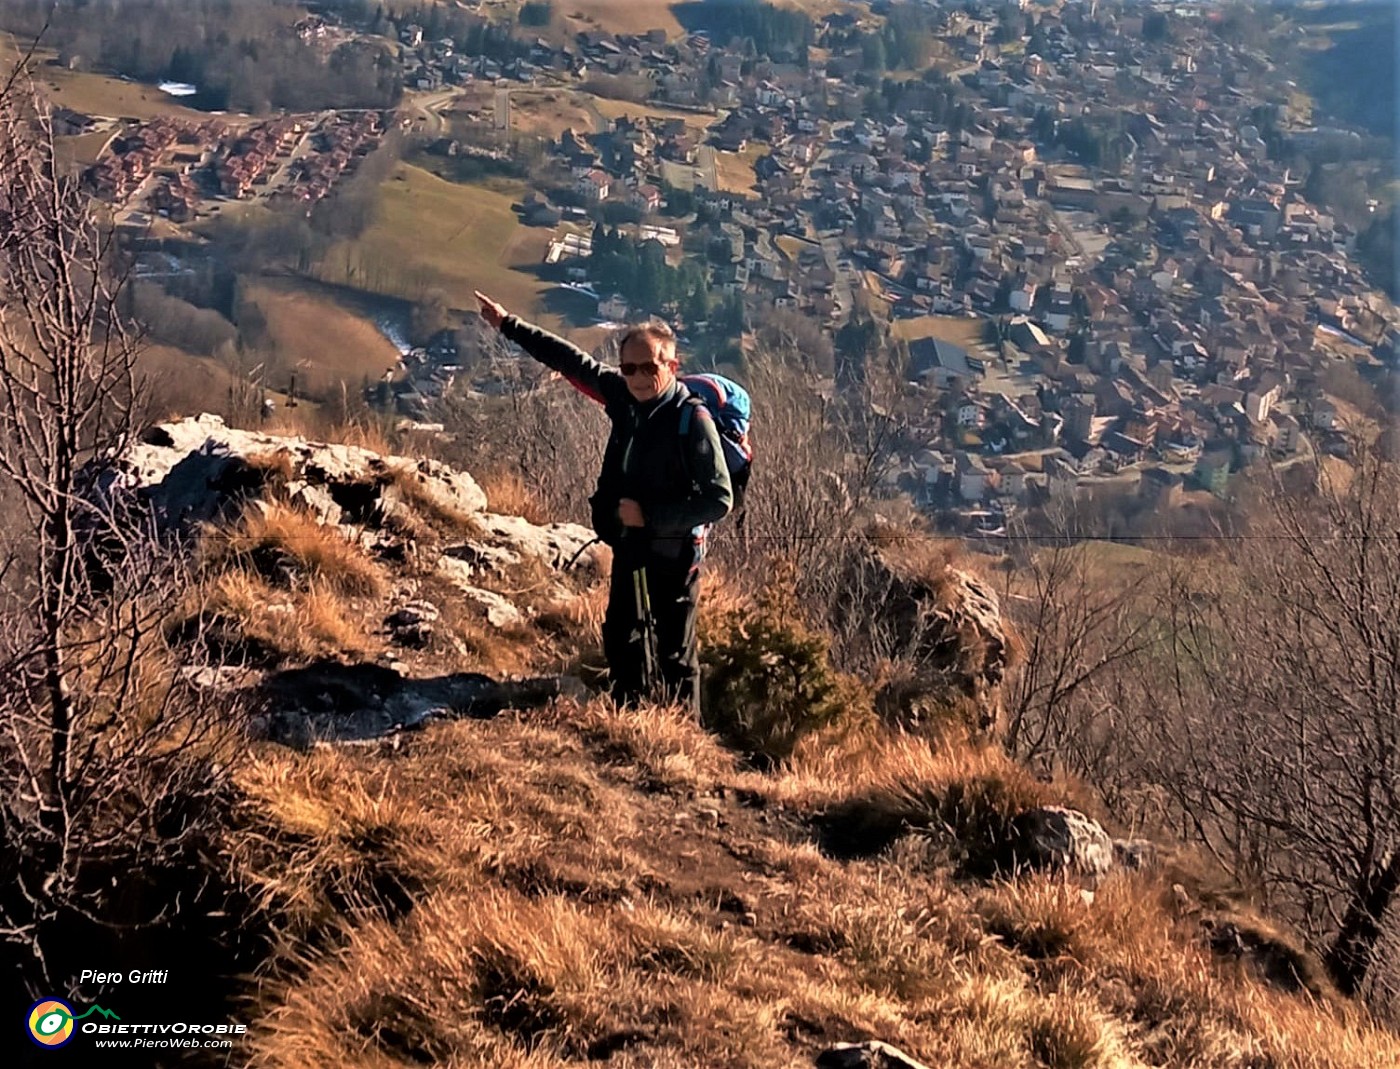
(713, 496)
(592, 379)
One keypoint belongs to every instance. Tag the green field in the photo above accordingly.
(100, 95)
(433, 235)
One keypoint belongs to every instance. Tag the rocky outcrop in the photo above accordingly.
(332, 702)
(1057, 839)
(944, 622)
(194, 469)
(871, 1055)
(436, 544)
(199, 469)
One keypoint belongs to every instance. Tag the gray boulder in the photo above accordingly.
(199, 468)
(871, 1055)
(950, 625)
(1055, 839)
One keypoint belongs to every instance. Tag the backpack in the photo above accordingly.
(732, 410)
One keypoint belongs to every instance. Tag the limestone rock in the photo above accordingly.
(315, 500)
(870, 1055)
(554, 543)
(478, 556)
(412, 624)
(951, 625)
(1057, 839)
(199, 468)
(500, 610)
(449, 490)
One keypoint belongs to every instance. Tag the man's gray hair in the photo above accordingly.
(655, 331)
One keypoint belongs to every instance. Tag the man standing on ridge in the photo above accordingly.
(659, 490)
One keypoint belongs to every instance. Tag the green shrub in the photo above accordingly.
(769, 680)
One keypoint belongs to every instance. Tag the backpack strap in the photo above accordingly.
(683, 427)
(687, 418)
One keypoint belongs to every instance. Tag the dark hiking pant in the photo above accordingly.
(674, 588)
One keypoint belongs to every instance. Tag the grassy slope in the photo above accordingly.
(433, 234)
(622, 16)
(336, 344)
(577, 884)
(960, 330)
(98, 94)
(637, 16)
(182, 383)
(734, 170)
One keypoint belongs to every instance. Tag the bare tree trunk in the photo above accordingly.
(99, 736)
(1349, 958)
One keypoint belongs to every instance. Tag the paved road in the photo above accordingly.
(845, 291)
(706, 168)
(426, 109)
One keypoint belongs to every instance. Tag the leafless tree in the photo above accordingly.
(536, 428)
(1079, 632)
(1275, 710)
(104, 762)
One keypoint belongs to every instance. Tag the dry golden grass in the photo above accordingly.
(589, 883)
(465, 640)
(427, 501)
(249, 616)
(624, 16)
(548, 113)
(964, 331)
(180, 383)
(101, 95)
(734, 170)
(319, 424)
(277, 541)
(430, 234)
(508, 494)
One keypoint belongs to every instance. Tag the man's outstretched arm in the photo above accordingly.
(598, 381)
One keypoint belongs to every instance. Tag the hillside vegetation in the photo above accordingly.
(568, 882)
(489, 916)
(429, 234)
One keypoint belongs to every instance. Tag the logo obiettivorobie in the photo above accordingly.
(51, 1021)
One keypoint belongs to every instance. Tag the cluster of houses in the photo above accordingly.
(164, 147)
(185, 162)
(430, 64)
(1162, 303)
(339, 144)
(1168, 313)
(251, 158)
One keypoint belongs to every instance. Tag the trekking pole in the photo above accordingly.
(645, 634)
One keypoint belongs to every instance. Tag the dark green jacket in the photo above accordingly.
(682, 484)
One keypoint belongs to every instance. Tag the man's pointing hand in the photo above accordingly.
(492, 312)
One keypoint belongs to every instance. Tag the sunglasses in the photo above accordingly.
(630, 369)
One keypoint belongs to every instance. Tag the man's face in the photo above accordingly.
(651, 365)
